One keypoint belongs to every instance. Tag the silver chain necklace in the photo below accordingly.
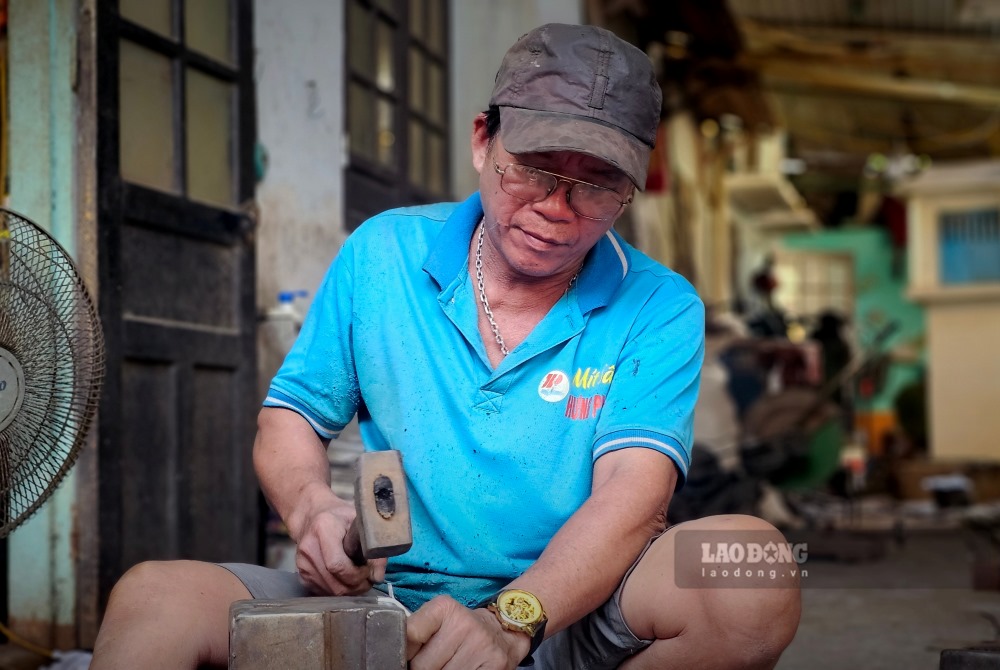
(482, 290)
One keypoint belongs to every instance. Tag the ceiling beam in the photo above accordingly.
(966, 59)
(878, 44)
(935, 66)
(787, 71)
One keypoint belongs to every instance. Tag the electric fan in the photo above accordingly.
(51, 367)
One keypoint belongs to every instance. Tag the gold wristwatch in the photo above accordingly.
(521, 612)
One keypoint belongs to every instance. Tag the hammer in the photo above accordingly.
(337, 633)
(381, 527)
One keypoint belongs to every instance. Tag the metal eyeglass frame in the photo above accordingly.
(622, 204)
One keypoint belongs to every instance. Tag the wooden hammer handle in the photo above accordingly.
(352, 544)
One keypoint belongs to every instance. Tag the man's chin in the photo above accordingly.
(536, 271)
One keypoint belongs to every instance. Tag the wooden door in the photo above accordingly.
(176, 246)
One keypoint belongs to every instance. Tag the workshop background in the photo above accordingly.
(827, 175)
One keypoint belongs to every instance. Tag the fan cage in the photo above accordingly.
(50, 326)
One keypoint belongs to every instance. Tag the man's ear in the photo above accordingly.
(480, 142)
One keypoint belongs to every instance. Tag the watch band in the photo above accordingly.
(536, 642)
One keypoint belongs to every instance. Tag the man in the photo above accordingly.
(538, 375)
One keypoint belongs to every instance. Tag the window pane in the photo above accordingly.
(435, 26)
(436, 177)
(418, 87)
(359, 39)
(207, 28)
(838, 274)
(810, 304)
(145, 107)
(435, 92)
(386, 134)
(416, 168)
(152, 14)
(813, 274)
(361, 121)
(385, 75)
(210, 135)
(969, 244)
(417, 15)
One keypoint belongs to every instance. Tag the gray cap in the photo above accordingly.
(579, 88)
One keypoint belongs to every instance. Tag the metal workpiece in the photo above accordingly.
(330, 633)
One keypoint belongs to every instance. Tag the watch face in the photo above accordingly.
(520, 606)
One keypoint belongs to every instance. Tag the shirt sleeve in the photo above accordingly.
(651, 399)
(318, 378)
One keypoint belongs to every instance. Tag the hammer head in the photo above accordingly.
(383, 508)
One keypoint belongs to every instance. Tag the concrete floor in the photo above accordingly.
(899, 612)
(13, 657)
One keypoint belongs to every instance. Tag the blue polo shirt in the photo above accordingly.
(497, 459)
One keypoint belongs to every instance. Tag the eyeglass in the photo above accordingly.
(534, 185)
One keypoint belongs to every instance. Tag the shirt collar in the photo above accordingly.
(604, 269)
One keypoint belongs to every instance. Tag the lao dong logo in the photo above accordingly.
(738, 559)
(728, 553)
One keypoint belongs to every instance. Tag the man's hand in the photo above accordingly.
(291, 463)
(318, 527)
(444, 635)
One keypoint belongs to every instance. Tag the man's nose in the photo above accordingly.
(556, 206)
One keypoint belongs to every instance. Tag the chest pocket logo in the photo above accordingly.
(582, 407)
(554, 386)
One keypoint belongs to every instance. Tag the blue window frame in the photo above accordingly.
(970, 247)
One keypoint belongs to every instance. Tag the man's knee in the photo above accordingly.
(756, 619)
(141, 579)
(183, 605)
(158, 586)
(728, 523)
(749, 622)
(755, 625)
(149, 581)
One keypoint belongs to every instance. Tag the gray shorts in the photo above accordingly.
(599, 641)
